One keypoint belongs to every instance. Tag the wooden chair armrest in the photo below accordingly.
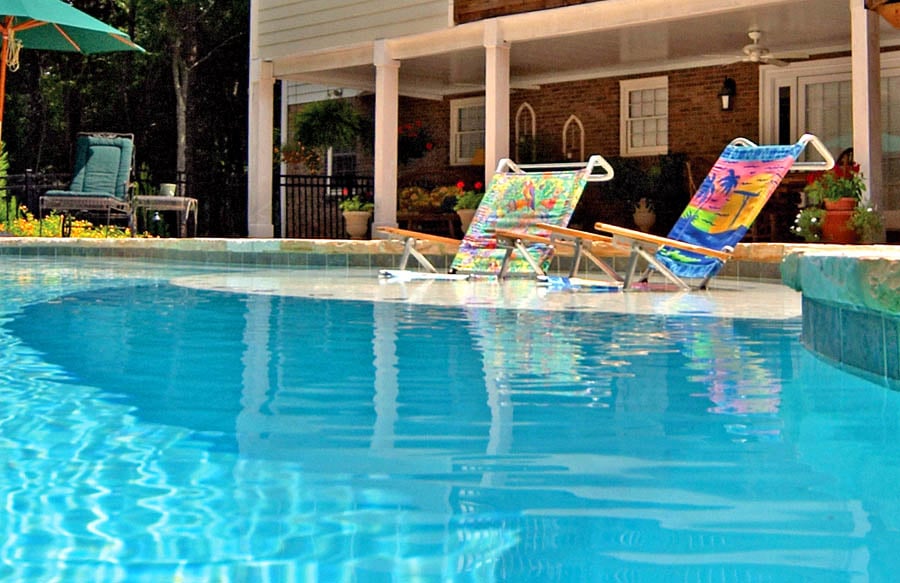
(568, 233)
(522, 235)
(397, 233)
(632, 235)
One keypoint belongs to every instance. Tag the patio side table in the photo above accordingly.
(184, 206)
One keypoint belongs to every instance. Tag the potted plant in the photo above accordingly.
(330, 123)
(413, 141)
(357, 213)
(644, 214)
(808, 224)
(839, 191)
(866, 221)
(467, 203)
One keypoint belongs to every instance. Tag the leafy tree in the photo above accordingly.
(185, 99)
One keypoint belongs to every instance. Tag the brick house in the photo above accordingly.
(553, 79)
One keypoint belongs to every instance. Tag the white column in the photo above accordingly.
(496, 101)
(387, 95)
(866, 81)
(259, 150)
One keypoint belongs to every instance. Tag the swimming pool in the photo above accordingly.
(154, 430)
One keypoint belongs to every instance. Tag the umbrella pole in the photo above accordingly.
(4, 29)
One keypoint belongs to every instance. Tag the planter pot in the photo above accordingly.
(836, 224)
(841, 204)
(357, 223)
(644, 219)
(465, 218)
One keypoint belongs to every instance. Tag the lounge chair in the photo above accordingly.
(518, 197)
(101, 181)
(717, 217)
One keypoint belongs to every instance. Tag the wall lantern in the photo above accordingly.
(727, 93)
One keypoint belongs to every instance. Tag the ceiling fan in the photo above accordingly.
(756, 52)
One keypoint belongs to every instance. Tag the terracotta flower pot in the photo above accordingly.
(841, 204)
(836, 224)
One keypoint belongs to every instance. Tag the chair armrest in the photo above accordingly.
(632, 235)
(396, 233)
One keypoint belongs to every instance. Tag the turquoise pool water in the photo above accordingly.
(151, 432)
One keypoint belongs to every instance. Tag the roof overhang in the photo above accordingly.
(607, 38)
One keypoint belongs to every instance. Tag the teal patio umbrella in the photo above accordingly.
(52, 25)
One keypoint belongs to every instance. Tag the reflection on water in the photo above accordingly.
(248, 436)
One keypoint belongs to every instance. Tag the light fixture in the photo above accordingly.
(727, 93)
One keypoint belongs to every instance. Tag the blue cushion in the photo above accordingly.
(102, 166)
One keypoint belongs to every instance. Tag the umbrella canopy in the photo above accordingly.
(52, 25)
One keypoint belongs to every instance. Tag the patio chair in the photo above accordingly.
(101, 180)
(518, 197)
(717, 217)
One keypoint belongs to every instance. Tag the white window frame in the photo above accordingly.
(797, 77)
(455, 134)
(627, 87)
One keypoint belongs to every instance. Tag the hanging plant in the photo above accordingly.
(413, 141)
(332, 123)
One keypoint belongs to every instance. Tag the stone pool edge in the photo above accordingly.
(851, 306)
(752, 262)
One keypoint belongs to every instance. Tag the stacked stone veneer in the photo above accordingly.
(851, 306)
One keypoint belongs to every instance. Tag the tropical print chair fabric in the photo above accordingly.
(517, 202)
(726, 204)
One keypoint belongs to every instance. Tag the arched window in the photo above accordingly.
(526, 130)
(573, 139)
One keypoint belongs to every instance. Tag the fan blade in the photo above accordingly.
(769, 60)
(791, 55)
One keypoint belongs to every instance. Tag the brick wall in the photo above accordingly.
(697, 128)
(471, 10)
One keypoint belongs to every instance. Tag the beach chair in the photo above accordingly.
(717, 217)
(518, 197)
(101, 180)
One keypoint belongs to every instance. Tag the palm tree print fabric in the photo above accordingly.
(726, 204)
(517, 202)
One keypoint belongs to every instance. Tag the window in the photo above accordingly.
(526, 124)
(573, 139)
(466, 129)
(816, 97)
(644, 115)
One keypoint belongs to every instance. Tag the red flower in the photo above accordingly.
(478, 185)
(429, 146)
(461, 185)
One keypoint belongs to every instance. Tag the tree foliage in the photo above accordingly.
(194, 70)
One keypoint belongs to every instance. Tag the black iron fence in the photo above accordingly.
(312, 203)
(20, 192)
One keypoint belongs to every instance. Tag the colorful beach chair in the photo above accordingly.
(717, 217)
(518, 197)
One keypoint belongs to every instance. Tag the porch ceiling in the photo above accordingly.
(601, 40)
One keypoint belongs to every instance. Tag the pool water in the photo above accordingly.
(151, 432)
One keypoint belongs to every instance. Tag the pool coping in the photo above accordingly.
(752, 261)
(850, 306)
